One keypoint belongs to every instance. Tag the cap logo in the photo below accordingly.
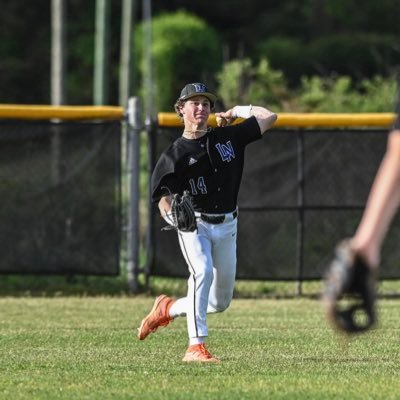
(199, 87)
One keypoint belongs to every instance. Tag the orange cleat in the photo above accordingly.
(158, 316)
(199, 353)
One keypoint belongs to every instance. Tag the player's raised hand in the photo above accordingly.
(224, 118)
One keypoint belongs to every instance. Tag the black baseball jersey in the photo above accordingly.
(210, 167)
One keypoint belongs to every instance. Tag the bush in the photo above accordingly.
(341, 94)
(240, 82)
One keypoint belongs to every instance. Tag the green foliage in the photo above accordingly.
(312, 37)
(184, 49)
(365, 55)
(286, 54)
(242, 82)
(362, 56)
(320, 95)
(378, 94)
(341, 95)
(81, 62)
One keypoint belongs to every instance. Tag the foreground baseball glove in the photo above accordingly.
(182, 213)
(350, 279)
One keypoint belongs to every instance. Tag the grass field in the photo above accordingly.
(85, 348)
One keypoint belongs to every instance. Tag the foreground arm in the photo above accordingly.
(265, 117)
(382, 204)
(352, 271)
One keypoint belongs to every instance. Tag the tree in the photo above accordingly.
(184, 49)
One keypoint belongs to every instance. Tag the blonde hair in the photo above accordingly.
(179, 103)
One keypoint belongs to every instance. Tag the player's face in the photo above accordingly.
(196, 110)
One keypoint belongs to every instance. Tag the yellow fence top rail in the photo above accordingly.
(293, 120)
(303, 120)
(39, 112)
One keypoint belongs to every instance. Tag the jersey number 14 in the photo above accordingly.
(200, 186)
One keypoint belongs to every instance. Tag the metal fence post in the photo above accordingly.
(151, 131)
(133, 230)
(58, 67)
(300, 217)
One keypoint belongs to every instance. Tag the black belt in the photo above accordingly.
(216, 219)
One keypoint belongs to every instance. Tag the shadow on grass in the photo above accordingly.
(78, 285)
(71, 285)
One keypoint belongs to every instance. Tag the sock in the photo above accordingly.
(196, 340)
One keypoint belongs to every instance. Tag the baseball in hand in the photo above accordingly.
(219, 121)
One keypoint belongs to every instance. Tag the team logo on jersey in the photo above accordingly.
(225, 151)
(192, 161)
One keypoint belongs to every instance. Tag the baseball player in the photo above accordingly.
(354, 268)
(207, 163)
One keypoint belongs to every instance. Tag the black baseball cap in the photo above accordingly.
(197, 89)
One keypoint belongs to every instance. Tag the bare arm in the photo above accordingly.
(265, 117)
(164, 205)
(382, 204)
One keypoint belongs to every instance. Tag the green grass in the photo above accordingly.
(85, 348)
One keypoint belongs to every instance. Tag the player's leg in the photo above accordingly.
(224, 263)
(196, 249)
(158, 316)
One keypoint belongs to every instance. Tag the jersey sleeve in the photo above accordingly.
(248, 131)
(163, 179)
(244, 132)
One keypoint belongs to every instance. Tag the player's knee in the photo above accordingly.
(219, 305)
(223, 306)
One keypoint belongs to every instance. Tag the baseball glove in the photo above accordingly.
(349, 277)
(182, 213)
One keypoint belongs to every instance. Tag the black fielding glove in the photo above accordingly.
(349, 276)
(182, 213)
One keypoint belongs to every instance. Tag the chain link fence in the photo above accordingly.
(60, 194)
(302, 191)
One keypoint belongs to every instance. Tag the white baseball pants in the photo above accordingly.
(210, 253)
